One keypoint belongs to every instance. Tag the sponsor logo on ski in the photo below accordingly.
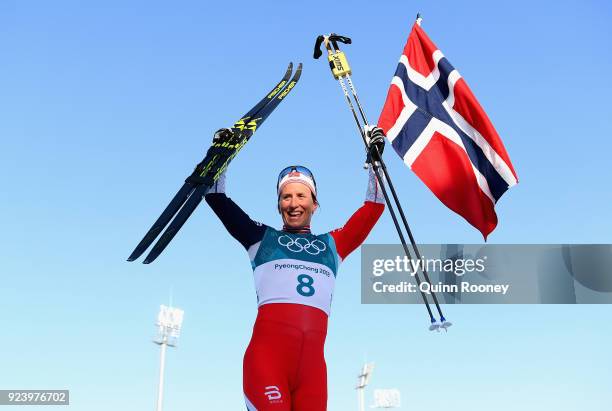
(287, 90)
(240, 123)
(253, 124)
(277, 89)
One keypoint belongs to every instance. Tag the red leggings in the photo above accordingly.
(284, 368)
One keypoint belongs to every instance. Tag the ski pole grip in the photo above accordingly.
(317, 47)
(341, 39)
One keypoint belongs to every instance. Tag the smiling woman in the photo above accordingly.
(295, 273)
(297, 198)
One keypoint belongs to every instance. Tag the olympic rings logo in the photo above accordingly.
(297, 245)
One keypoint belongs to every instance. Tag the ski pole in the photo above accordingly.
(376, 167)
(340, 70)
(347, 75)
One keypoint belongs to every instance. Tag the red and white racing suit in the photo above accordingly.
(295, 275)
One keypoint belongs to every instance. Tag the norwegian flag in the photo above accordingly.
(437, 126)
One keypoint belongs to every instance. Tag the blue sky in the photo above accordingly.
(106, 106)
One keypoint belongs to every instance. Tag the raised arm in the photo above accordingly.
(235, 220)
(357, 228)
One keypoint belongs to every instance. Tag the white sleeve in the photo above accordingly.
(219, 186)
(374, 193)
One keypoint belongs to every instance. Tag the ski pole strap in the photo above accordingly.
(334, 38)
(317, 47)
(342, 39)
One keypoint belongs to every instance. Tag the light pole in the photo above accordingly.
(363, 379)
(169, 321)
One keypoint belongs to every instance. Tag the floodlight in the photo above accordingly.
(386, 398)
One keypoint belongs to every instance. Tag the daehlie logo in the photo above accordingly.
(299, 244)
(273, 393)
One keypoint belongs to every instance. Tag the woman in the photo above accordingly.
(295, 273)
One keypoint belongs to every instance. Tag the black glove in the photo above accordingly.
(375, 138)
(223, 135)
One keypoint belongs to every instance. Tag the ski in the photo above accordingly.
(241, 136)
(201, 168)
(198, 177)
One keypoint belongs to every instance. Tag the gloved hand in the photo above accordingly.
(211, 161)
(375, 138)
(223, 135)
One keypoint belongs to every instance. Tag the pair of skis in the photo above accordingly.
(206, 173)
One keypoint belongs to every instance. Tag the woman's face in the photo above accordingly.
(296, 205)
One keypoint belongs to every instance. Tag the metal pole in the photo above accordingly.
(409, 232)
(381, 182)
(396, 199)
(375, 167)
(361, 399)
(160, 389)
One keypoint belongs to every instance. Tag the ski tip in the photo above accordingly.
(289, 71)
(152, 255)
(134, 256)
(298, 73)
(149, 258)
